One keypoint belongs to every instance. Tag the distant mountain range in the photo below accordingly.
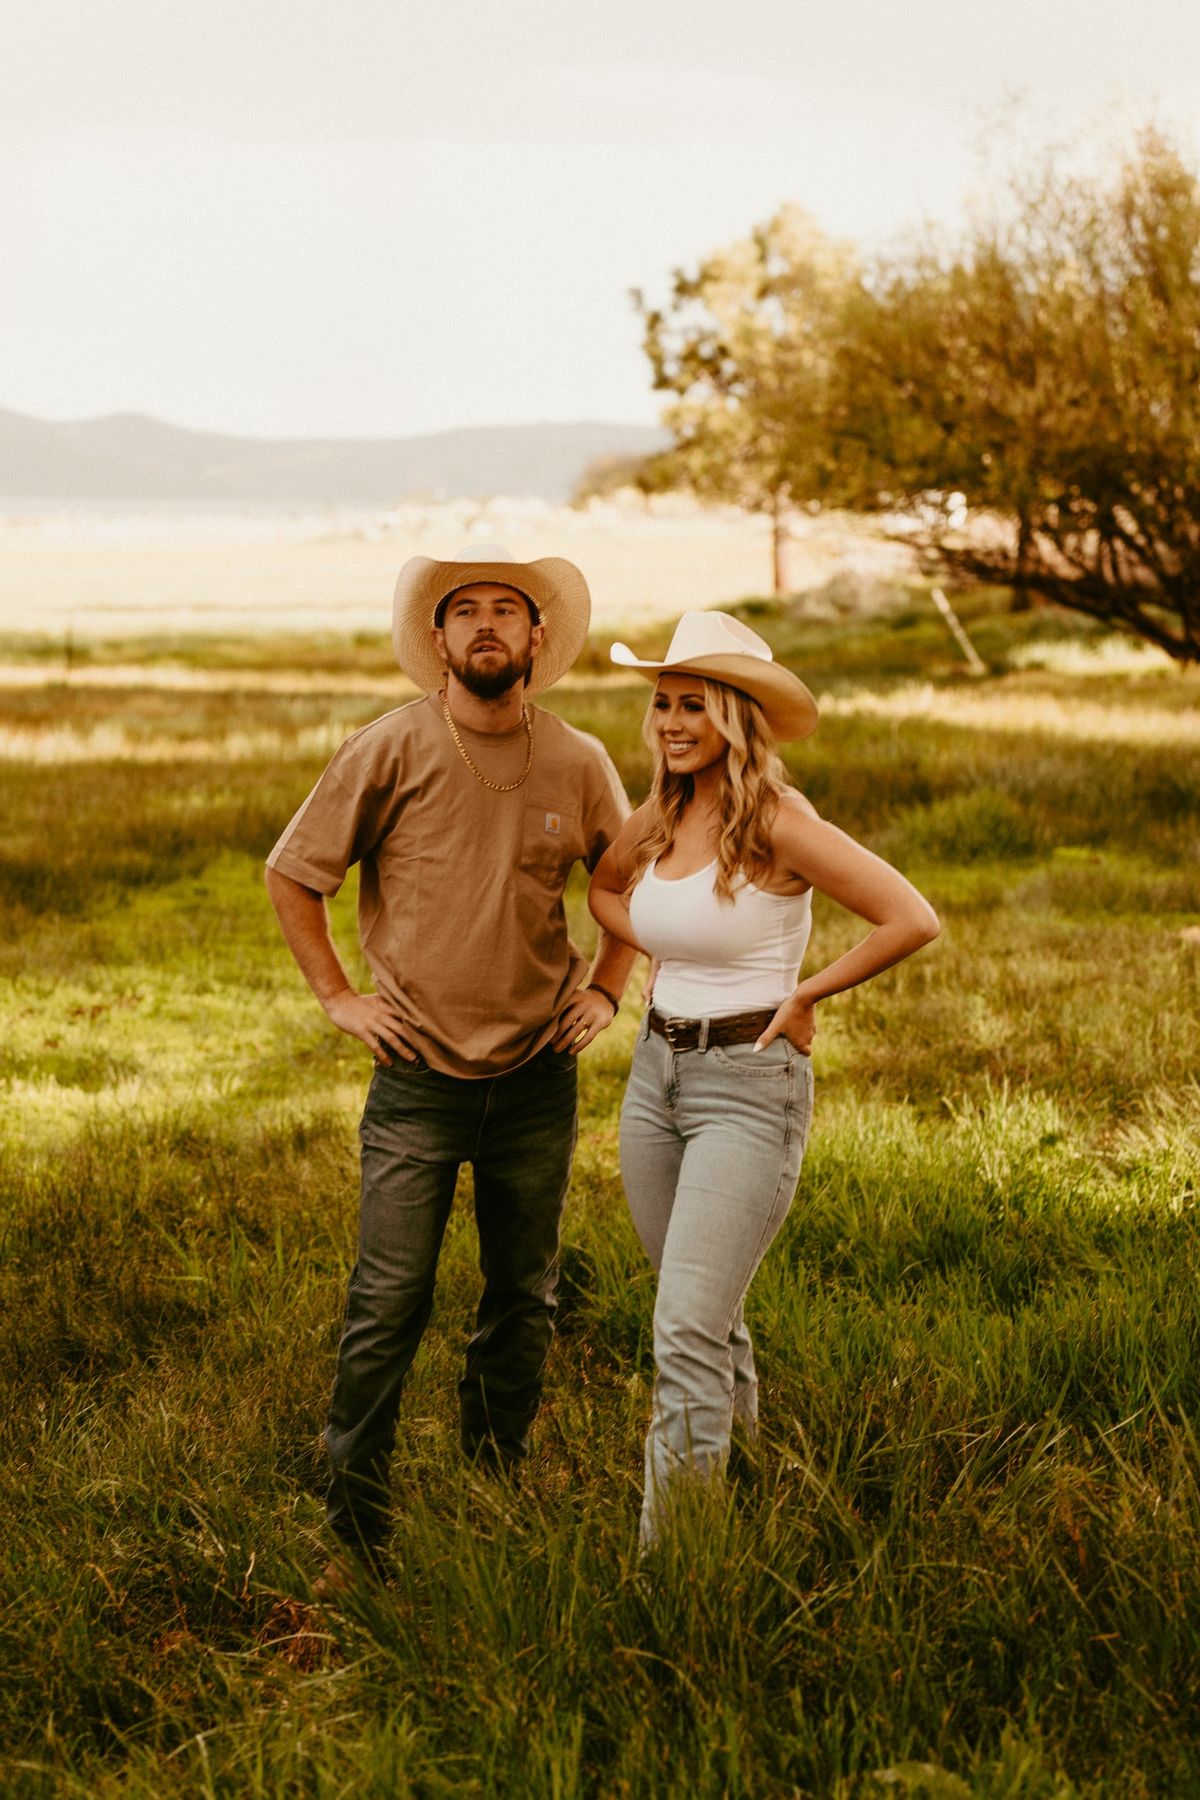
(127, 456)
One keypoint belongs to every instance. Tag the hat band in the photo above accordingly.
(439, 611)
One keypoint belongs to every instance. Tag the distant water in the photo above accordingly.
(76, 570)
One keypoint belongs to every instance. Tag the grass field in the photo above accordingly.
(967, 1558)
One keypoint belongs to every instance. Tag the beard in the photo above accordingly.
(493, 682)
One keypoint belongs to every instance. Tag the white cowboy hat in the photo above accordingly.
(555, 586)
(713, 644)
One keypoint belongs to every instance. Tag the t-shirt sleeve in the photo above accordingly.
(339, 822)
(608, 808)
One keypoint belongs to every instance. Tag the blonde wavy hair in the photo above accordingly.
(749, 796)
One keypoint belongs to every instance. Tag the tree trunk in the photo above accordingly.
(1024, 599)
(778, 544)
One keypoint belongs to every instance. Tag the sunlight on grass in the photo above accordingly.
(1116, 655)
(1012, 711)
(191, 680)
(109, 743)
(52, 1112)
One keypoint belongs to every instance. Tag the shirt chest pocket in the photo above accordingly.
(551, 841)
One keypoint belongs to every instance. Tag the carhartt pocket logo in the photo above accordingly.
(554, 824)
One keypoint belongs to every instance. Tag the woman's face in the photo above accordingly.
(690, 741)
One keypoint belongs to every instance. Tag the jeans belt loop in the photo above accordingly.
(702, 1045)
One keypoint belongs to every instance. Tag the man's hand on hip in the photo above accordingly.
(374, 1020)
(587, 1013)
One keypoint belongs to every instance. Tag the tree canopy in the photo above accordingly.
(745, 345)
(1045, 367)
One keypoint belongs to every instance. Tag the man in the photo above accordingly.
(466, 811)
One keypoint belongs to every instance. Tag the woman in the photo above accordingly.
(713, 879)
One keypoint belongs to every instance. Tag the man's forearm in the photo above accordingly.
(305, 926)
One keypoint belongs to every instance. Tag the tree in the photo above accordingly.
(745, 345)
(1048, 371)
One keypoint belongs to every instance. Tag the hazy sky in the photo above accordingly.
(370, 218)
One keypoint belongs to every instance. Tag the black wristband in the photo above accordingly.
(595, 988)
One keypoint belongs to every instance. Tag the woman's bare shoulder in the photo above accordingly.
(632, 831)
(794, 815)
(635, 826)
(793, 805)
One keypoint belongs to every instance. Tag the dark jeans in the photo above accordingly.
(518, 1132)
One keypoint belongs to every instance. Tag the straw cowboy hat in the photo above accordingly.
(556, 587)
(713, 644)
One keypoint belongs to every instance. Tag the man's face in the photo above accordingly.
(487, 638)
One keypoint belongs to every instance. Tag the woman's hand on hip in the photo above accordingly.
(796, 1020)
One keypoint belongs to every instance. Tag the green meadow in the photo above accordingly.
(965, 1559)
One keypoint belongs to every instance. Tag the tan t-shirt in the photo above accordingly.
(460, 906)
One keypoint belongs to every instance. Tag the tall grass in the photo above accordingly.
(965, 1558)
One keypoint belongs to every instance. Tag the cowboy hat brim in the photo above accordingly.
(556, 587)
(788, 707)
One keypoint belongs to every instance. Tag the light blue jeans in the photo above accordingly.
(711, 1146)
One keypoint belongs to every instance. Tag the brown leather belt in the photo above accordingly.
(734, 1028)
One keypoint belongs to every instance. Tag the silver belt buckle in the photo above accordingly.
(670, 1026)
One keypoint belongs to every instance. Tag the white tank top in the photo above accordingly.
(719, 956)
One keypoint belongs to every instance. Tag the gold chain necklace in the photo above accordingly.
(497, 787)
